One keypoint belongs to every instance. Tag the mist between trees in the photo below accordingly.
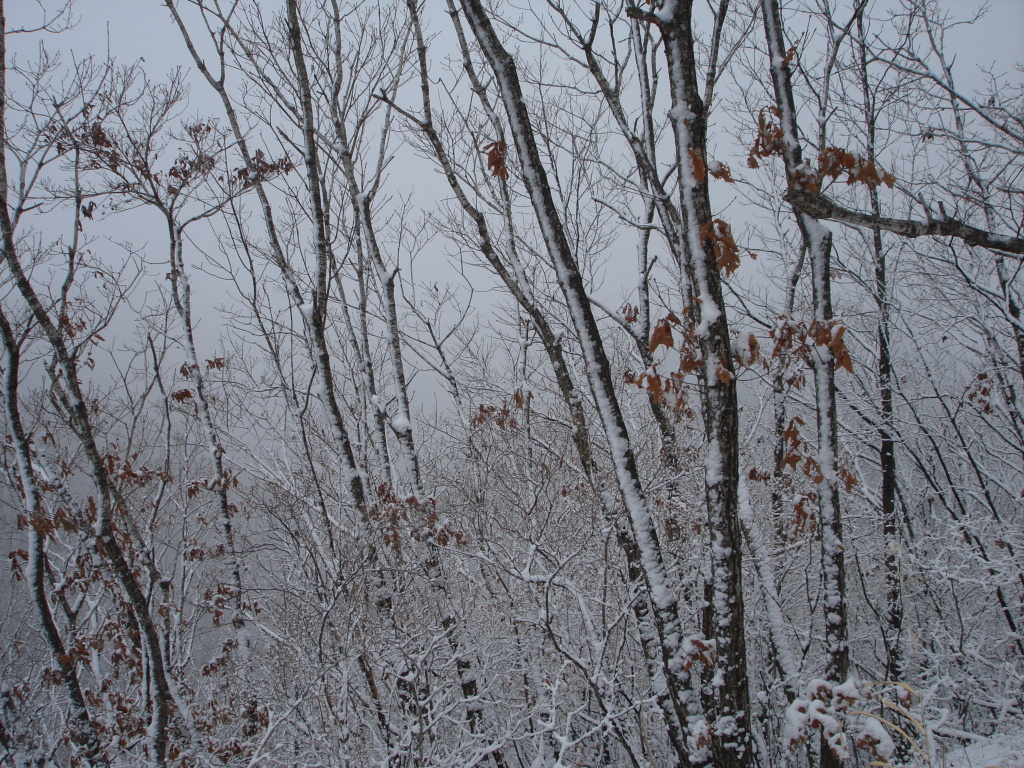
(582, 384)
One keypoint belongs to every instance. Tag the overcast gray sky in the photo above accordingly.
(142, 29)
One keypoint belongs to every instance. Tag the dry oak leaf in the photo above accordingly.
(496, 159)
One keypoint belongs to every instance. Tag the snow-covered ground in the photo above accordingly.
(994, 752)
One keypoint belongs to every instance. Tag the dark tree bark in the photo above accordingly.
(818, 206)
(818, 242)
(695, 250)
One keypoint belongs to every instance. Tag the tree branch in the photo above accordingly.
(820, 207)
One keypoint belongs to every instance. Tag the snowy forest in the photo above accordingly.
(564, 383)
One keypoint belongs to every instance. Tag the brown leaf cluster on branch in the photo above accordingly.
(797, 338)
(768, 140)
(496, 151)
(719, 234)
(833, 161)
(264, 169)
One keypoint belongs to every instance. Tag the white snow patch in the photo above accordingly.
(1002, 750)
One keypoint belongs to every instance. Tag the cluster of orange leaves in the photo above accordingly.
(769, 139)
(218, 600)
(496, 151)
(804, 521)
(830, 335)
(501, 415)
(697, 649)
(727, 253)
(789, 339)
(420, 517)
(794, 341)
(264, 168)
(701, 170)
(125, 471)
(811, 467)
(226, 480)
(671, 389)
(832, 161)
(979, 393)
(824, 699)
